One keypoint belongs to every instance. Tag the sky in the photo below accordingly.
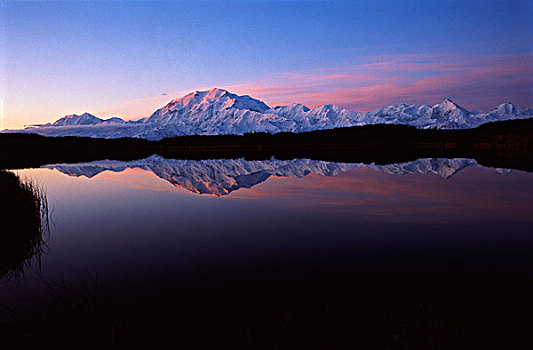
(128, 58)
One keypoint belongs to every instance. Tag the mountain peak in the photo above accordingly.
(216, 90)
(211, 94)
(74, 119)
(449, 102)
(508, 105)
(448, 105)
(205, 105)
(507, 108)
(83, 115)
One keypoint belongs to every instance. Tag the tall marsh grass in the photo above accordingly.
(24, 225)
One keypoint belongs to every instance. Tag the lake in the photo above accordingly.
(430, 254)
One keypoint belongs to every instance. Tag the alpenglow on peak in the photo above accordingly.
(74, 119)
(218, 111)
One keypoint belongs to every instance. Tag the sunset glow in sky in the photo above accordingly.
(128, 58)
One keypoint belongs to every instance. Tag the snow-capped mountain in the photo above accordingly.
(82, 120)
(116, 120)
(445, 115)
(218, 111)
(222, 176)
(509, 109)
(74, 119)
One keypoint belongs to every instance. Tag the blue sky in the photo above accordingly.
(128, 58)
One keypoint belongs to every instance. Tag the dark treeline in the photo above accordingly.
(506, 144)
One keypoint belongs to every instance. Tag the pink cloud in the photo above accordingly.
(475, 82)
(479, 82)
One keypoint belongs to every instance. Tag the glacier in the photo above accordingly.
(220, 177)
(219, 112)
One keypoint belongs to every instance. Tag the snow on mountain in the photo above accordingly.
(213, 112)
(218, 111)
(323, 117)
(444, 115)
(222, 176)
(115, 120)
(204, 105)
(83, 120)
(74, 119)
(507, 109)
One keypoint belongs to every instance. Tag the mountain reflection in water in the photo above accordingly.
(346, 255)
(220, 177)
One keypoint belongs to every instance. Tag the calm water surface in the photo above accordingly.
(288, 254)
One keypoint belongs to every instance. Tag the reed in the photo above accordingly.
(24, 224)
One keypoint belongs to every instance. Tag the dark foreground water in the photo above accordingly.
(433, 254)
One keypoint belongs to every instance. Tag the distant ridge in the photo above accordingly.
(83, 119)
(74, 119)
(220, 112)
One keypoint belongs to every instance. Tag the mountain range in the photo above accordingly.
(220, 177)
(218, 111)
